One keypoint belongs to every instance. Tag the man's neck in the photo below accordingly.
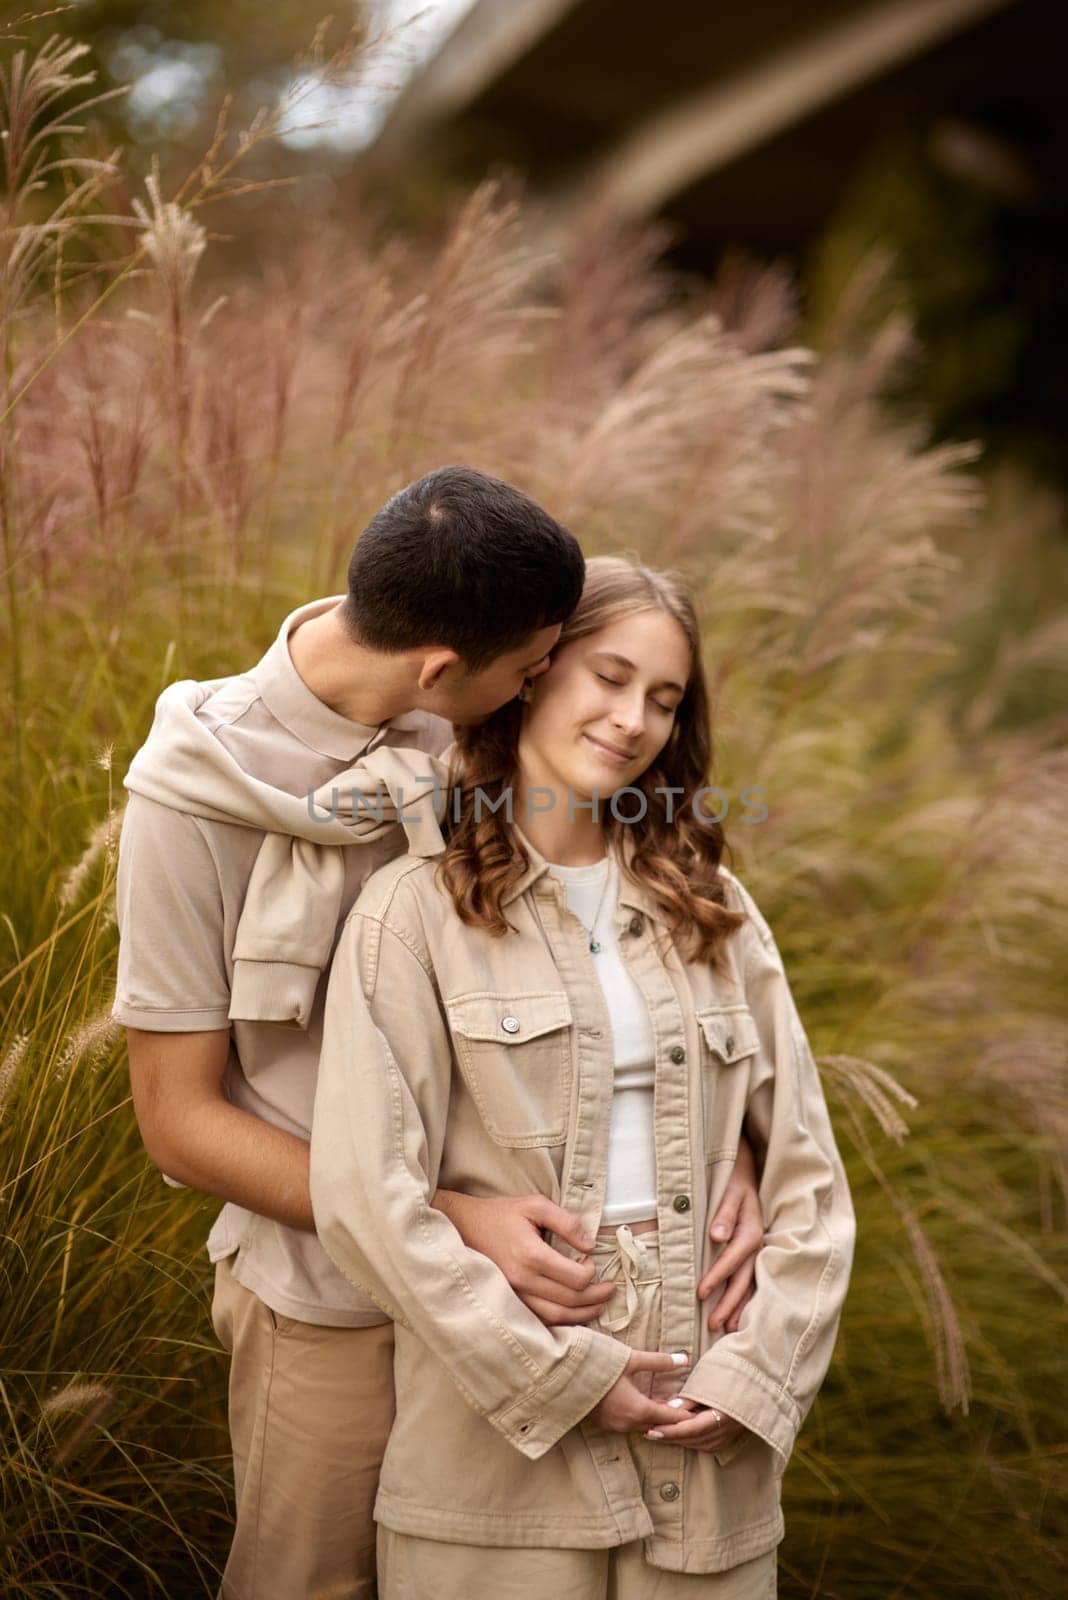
(365, 686)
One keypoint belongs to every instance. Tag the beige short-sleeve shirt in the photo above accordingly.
(180, 890)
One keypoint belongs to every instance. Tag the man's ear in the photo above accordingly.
(434, 665)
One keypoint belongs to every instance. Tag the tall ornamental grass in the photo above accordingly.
(186, 453)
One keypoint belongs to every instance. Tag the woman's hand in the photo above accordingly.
(625, 1409)
(739, 1220)
(701, 1427)
(507, 1229)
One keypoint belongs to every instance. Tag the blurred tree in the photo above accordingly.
(979, 242)
(179, 59)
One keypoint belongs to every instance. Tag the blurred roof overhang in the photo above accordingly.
(735, 121)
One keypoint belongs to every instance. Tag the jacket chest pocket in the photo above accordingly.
(729, 1041)
(514, 1052)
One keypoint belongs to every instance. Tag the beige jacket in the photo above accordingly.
(486, 1065)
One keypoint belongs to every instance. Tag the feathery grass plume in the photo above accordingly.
(102, 846)
(954, 1376)
(97, 1401)
(31, 264)
(88, 1042)
(481, 279)
(31, 86)
(173, 242)
(11, 1066)
(875, 1087)
(652, 441)
(74, 1397)
(756, 301)
(608, 283)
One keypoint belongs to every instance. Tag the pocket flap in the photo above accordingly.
(730, 1031)
(508, 1018)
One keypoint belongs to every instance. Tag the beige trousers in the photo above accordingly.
(426, 1569)
(411, 1568)
(310, 1411)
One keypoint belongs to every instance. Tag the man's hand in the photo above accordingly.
(701, 1427)
(624, 1409)
(740, 1221)
(507, 1229)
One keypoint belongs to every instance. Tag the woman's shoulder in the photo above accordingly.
(400, 894)
(738, 897)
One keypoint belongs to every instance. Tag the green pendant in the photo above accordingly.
(595, 948)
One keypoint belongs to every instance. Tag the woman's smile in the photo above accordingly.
(619, 758)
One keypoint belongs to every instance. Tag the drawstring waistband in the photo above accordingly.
(630, 1259)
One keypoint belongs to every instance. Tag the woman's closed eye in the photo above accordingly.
(619, 684)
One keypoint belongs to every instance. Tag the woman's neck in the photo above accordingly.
(575, 841)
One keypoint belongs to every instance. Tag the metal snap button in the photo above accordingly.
(728, 1043)
(669, 1491)
(681, 1202)
(678, 1054)
(635, 925)
(510, 1024)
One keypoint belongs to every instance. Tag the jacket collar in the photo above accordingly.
(634, 896)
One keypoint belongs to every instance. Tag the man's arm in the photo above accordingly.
(193, 1134)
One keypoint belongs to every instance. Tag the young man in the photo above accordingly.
(456, 593)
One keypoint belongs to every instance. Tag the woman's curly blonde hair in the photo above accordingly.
(677, 860)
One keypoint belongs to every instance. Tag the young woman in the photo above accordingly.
(576, 998)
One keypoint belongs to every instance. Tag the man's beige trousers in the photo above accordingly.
(310, 1412)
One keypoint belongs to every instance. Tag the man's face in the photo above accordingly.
(470, 697)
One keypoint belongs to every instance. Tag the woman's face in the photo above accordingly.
(605, 708)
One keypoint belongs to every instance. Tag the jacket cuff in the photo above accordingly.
(576, 1384)
(273, 991)
(733, 1385)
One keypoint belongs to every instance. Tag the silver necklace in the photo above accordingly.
(595, 945)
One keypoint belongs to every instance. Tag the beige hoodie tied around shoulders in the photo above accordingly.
(287, 928)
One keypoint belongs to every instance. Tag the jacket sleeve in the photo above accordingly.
(767, 1374)
(380, 1114)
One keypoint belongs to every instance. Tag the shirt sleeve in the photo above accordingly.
(767, 1374)
(381, 1107)
(169, 908)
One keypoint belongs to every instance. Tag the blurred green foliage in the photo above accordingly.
(980, 264)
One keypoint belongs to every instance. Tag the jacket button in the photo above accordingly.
(678, 1054)
(728, 1043)
(669, 1491)
(635, 925)
(681, 1202)
(510, 1024)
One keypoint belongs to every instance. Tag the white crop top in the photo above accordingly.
(630, 1195)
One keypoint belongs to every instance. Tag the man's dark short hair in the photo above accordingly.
(463, 560)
